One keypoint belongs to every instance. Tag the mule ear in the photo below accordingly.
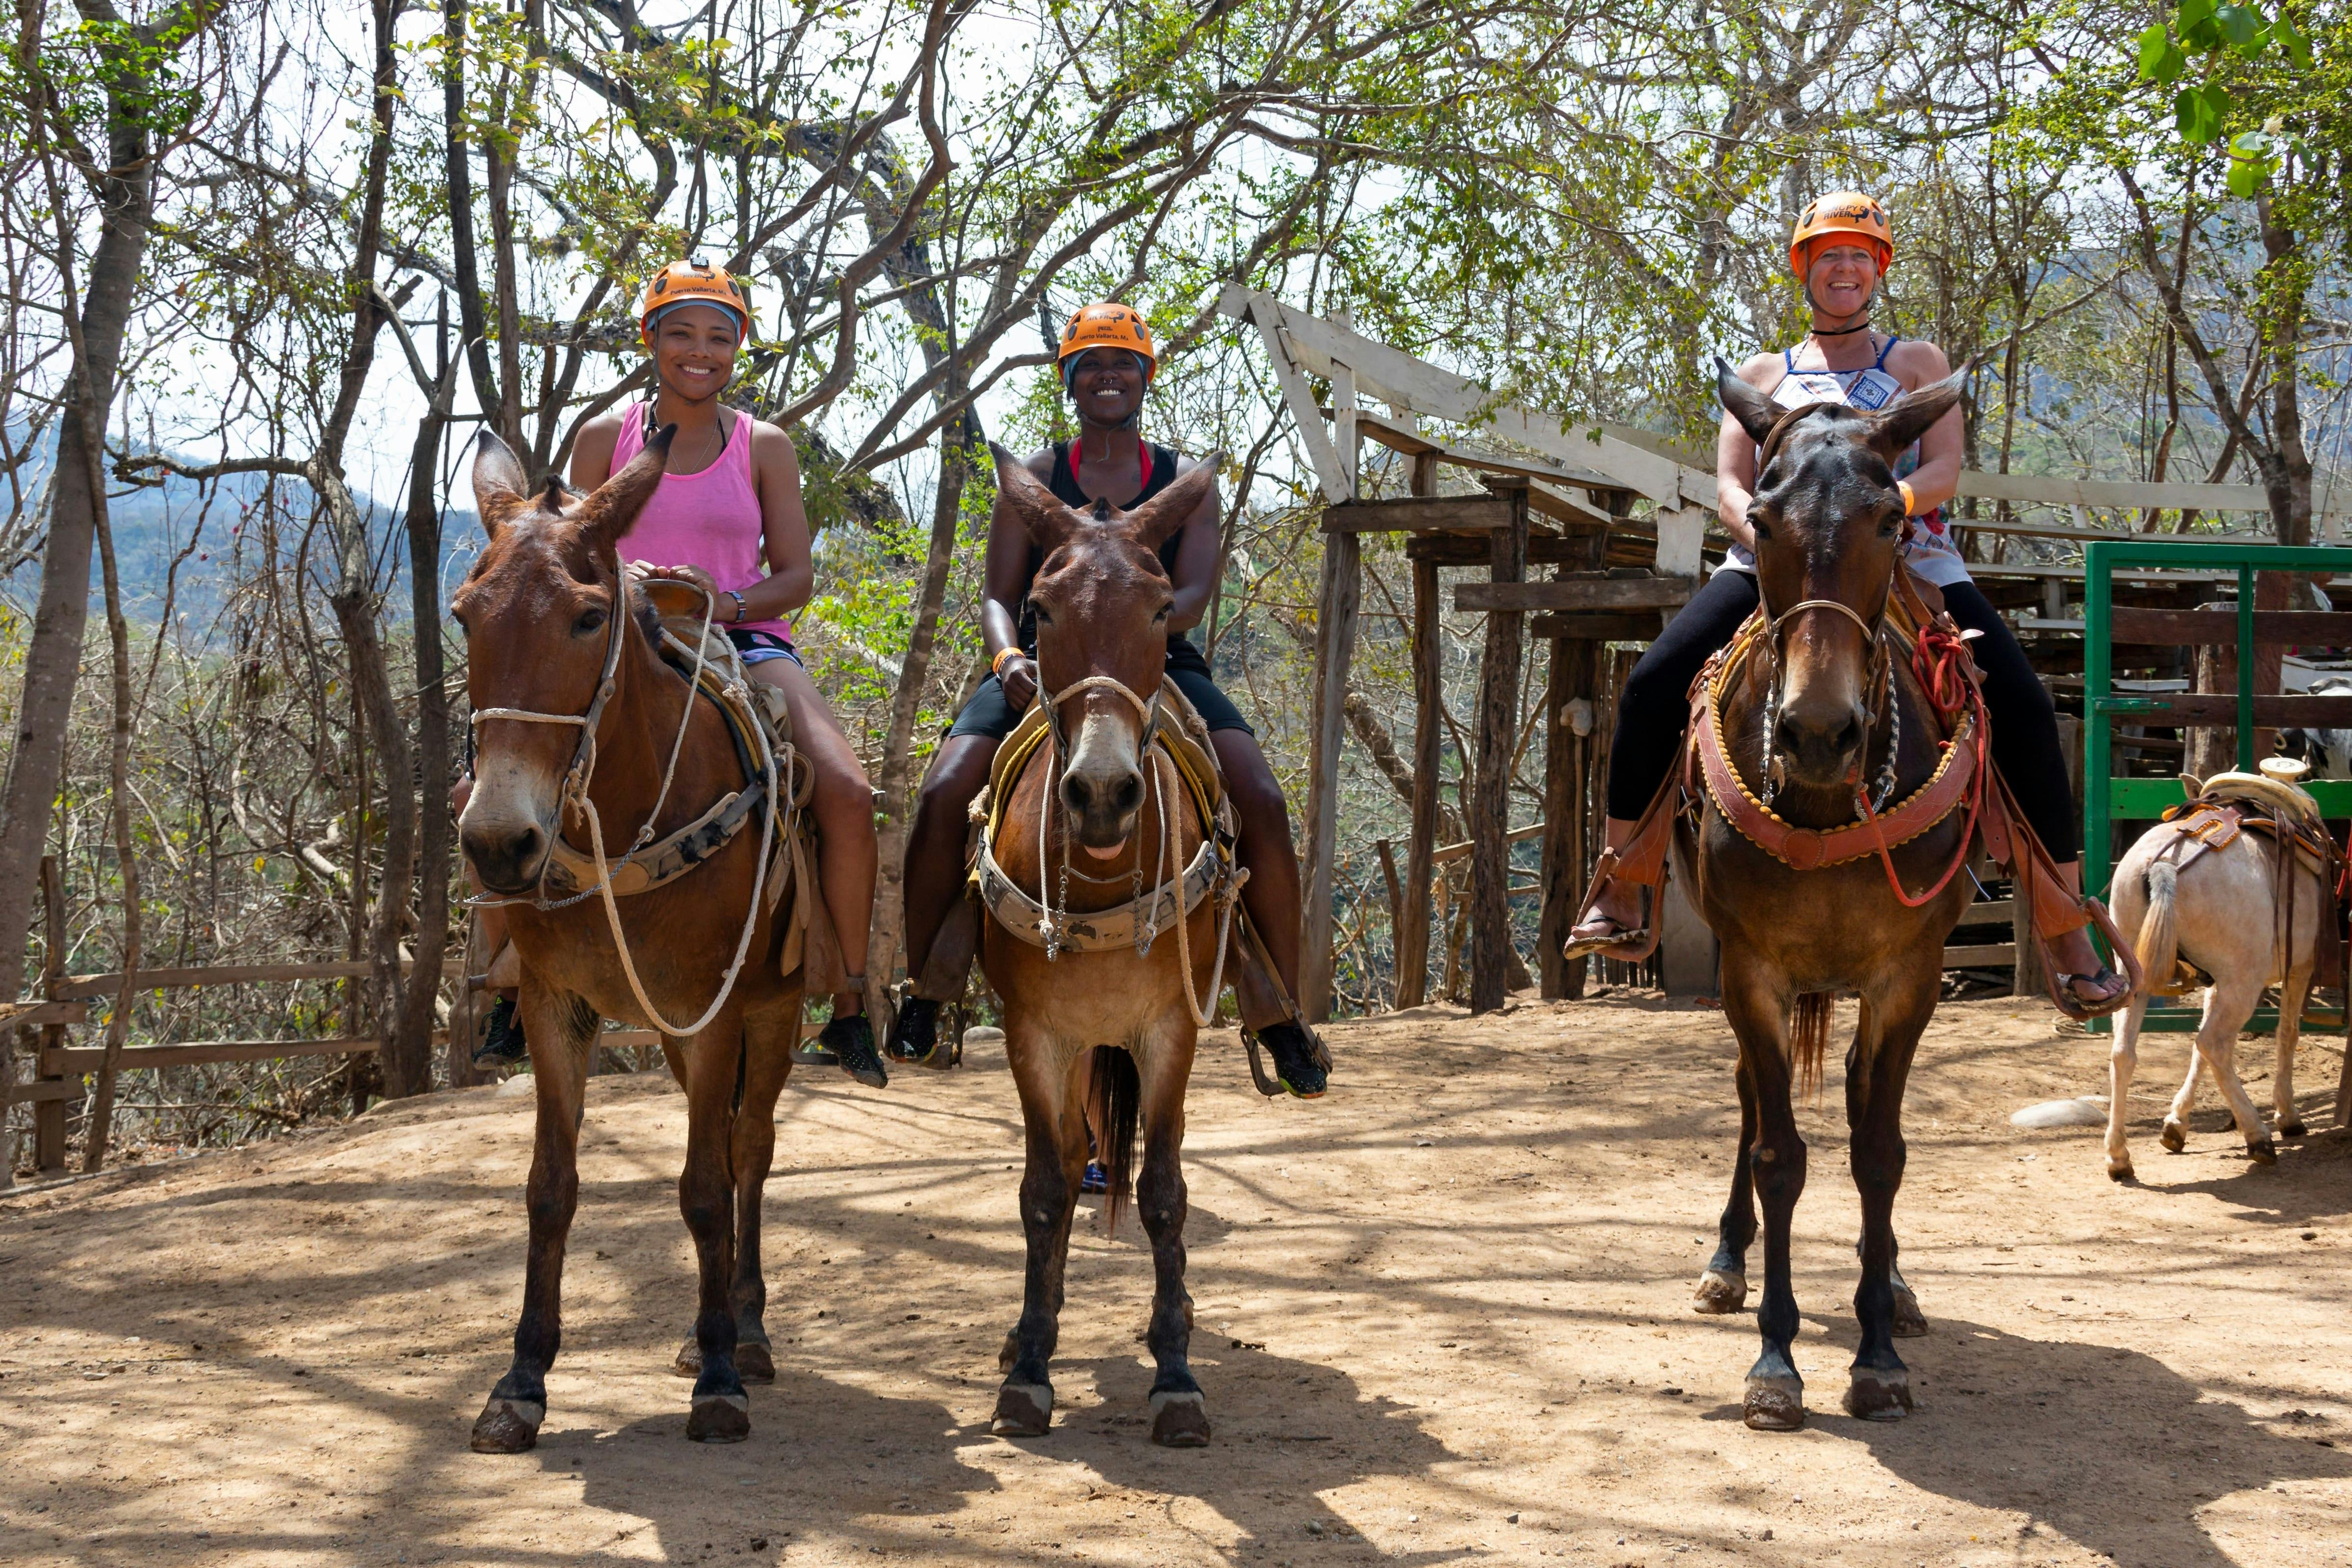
(607, 515)
(1023, 496)
(1757, 414)
(1894, 427)
(1158, 519)
(499, 483)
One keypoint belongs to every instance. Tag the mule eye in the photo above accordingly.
(1161, 614)
(589, 621)
(1045, 617)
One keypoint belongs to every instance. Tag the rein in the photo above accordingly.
(573, 795)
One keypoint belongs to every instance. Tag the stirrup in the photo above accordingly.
(2062, 992)
(1627, 945)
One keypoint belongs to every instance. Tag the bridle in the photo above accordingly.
(1054, 921)
(1880, 686)
(573, 796)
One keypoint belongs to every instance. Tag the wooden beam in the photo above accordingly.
(133, 1058)
(1446, 854)
(2218, 628)
(84, 985)
(2053, 490)
(1337, 600)
(2192, 710)
(1418, 514)
(1321, 455)
(1412, 443)
(1598, 625)
(1421, 844)
(46, 1091)
(1498, 734)
(1989, 955)
(49, 1114)
(1572, 662)
(1575, 594)
(41, 1015)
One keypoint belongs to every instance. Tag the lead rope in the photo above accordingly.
(1228, 893)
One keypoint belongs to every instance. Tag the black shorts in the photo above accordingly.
(988, 713)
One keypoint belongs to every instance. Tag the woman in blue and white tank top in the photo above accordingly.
(1842, 247)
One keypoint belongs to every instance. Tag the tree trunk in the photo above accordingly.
(905, 703)
(434, 765)
(53, 659)
(99, 1129)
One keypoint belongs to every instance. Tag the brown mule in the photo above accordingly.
(1827, 682)
(1102, 605)
(547, 660)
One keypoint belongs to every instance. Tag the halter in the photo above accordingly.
(1057, 905)
(1880, 687)
(573, 795)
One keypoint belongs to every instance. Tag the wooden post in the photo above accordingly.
(49, 1114)
(1399, 910)
(1413, 938)
(1498, 733)
(1563, 840)
(1337, 600)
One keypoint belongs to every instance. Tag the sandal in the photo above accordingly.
(1619, 940)
(2082, 1009)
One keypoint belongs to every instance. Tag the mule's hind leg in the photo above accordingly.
(1056, 1143)
(2123, 1060)
(1723, 1288)
(722, 1411)
(560, 1029)
(1180, 1413)
(1756, 1008)
(2228, 1005)
(1880, 1385)
(2293, 996)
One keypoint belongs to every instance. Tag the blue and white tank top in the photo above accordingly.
(1929, 549)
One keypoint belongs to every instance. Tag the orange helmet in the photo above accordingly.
(692, 282)
(1843, 212)
(1106, 326)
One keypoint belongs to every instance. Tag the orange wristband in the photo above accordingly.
(996, 664)
(1910, 501)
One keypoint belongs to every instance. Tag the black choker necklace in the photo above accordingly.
(1861, 326)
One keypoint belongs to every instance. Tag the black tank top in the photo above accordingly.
(1064, 485)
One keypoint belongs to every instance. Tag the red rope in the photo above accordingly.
(1968, 837)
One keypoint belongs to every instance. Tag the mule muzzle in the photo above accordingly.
(1821, 744)
(508, 857)
(1102, 802)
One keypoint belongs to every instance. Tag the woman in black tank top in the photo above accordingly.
(1108, 461)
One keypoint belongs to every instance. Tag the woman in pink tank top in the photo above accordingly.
(728, 518)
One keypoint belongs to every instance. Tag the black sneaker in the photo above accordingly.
(1298, 1063)
(915, 1034)
(851, 1041)
(502, 1043)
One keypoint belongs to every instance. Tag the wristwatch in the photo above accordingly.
(741, 609)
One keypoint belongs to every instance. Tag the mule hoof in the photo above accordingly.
(1878, 1394)
(2290, 1129)
(1910, 1322)
(753, 1364)
(1023, 1410)
(508, 1426)
(1720, 1293)
(1774, 1404)
(2120, 1170)
(720, 1418)
(688, 1360)
(1180, 1420)
(2263, 1152)
(2175, 1137)
(1011, 1352)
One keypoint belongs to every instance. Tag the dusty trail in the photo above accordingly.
(1443, 1317)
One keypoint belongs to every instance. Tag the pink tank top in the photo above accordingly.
(709, 519)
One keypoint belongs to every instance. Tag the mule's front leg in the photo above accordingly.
(1757, 1008)
(1055, 1127)
(722, 1411)
(560, 1029)
(1179, 1412)
(1880, 1388)
(1723, 1288)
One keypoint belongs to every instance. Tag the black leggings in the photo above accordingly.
(1653, 707)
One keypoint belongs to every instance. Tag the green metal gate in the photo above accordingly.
(2107, 800)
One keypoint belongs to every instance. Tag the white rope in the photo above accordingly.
(1226, 896)
(685, 718)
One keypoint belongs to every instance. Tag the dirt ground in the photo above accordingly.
(1443, 1317)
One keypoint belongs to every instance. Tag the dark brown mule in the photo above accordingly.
(1829, 522)
(1102, 606)
(538, 610)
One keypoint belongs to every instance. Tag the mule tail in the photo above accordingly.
(1117, 1110)
(1809, 1038)
(2159, 930)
